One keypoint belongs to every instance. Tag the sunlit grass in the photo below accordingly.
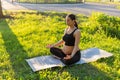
(28, 33)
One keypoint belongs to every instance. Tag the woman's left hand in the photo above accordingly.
(67, 57)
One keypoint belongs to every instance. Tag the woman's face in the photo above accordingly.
(69, 21)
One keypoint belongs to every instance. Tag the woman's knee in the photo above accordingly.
(52, 49)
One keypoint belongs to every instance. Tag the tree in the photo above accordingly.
(1, 13)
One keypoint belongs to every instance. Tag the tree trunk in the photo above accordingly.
(1, 13)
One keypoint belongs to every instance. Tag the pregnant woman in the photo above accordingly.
(70, 53)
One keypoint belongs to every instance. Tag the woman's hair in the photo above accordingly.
(73, 17)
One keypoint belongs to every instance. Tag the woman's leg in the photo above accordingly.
(73, 60)
(57, 52)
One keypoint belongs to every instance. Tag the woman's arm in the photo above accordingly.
(77, 41)
(61, 41)
(58, 43)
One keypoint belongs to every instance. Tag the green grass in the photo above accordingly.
(27, 35)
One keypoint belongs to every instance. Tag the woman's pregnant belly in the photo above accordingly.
(67, 49)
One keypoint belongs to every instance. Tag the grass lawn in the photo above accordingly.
(28, 33)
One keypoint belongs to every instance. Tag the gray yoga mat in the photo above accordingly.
(88, 55)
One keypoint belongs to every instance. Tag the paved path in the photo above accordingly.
(81, 8)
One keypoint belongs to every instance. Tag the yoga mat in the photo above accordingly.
(88, 55)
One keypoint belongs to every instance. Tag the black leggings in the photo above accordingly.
(59, 53)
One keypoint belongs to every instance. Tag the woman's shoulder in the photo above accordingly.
(77, 31)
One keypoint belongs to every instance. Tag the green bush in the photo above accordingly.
(99, 22)
(110, 24)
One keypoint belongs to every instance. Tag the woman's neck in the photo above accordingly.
(71, 27)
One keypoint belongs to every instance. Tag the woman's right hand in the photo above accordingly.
(49, 46)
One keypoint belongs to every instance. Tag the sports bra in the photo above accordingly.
(69, 39)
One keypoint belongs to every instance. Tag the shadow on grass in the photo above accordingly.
(109, 61)
(17, 54)
(85, 72)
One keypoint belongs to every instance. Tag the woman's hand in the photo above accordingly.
(68, 57)
(49, 46)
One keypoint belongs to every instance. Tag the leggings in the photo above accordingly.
(59, 53)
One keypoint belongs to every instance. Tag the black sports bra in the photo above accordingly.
(69, 39)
